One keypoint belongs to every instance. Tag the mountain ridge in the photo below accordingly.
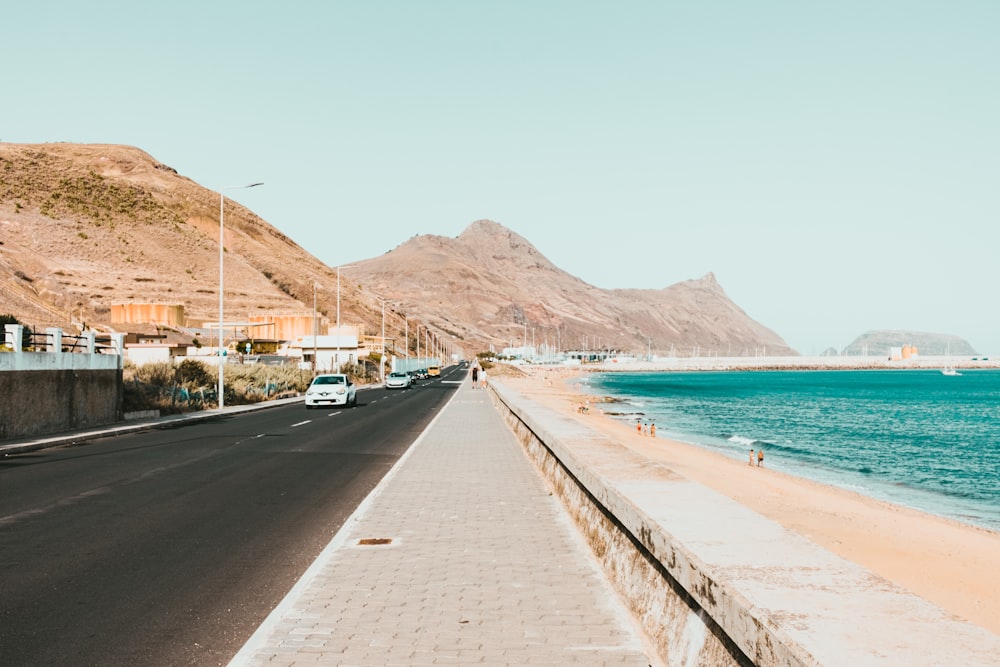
(85, 226)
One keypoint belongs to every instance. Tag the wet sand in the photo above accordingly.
(952, 565)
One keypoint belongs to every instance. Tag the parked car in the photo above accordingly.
(397, 380)
(331, 389)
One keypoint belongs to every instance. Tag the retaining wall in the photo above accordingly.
(43, 402)
(55, 390)
(715, 584)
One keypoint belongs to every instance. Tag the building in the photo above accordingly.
(328, 353)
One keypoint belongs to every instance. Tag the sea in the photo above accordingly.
(916, 438)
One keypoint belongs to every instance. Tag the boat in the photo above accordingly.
(948, 368)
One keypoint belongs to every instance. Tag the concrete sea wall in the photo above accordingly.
(715, 584)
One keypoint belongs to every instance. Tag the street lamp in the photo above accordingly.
(222, 213)
(315, 330)
(382, 362)
(336, 358)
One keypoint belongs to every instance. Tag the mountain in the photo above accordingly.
(491, 284)
(877, 343)
(83, 227)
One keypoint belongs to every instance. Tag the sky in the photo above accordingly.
(836, 165)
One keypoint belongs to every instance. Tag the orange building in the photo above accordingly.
(163, 314)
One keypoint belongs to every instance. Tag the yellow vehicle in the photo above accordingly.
(433, 371)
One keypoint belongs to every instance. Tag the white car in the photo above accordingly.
(331, 389)
(397, 380)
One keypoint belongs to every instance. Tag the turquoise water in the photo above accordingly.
(914, 437)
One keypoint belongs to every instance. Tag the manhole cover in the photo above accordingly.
(374, 541)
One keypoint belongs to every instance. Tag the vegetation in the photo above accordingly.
(486, 360)
(193, 385)
(363, 372)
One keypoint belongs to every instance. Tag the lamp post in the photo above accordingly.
(315, 331)
(336, 358)
(381, 365)
(222, 213)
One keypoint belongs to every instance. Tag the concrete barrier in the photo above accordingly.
(715, 584)
(52, 401)
(54, 390)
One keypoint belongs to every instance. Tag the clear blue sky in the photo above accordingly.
(836, 165)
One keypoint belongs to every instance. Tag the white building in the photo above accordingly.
(329, 352)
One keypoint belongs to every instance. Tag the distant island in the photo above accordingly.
(880, 342)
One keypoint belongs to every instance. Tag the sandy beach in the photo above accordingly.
(948, 563)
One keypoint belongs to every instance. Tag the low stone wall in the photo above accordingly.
(41, 402)
(715, 584)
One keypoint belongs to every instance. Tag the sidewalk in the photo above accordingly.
(473, 562)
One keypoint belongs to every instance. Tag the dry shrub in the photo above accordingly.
(192, 384)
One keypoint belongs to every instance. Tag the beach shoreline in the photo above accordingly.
(948, 563)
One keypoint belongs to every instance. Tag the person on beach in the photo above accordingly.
(638, 426)
(652, 430)
(760, 457)
(751, 458)
(475, 376)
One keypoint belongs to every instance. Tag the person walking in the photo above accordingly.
(751, 458)
(760, 457)
(475, 376)
(652, 430)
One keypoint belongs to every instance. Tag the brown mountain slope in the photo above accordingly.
(491, 284)
(85, 226)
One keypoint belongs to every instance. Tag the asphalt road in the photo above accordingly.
(169, 547)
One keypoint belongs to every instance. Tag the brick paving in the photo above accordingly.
(474, 563)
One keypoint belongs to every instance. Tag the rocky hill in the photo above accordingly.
(493, 285)
(83, 227)
(877, 343)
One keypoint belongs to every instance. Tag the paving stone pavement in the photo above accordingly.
(483, 567)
